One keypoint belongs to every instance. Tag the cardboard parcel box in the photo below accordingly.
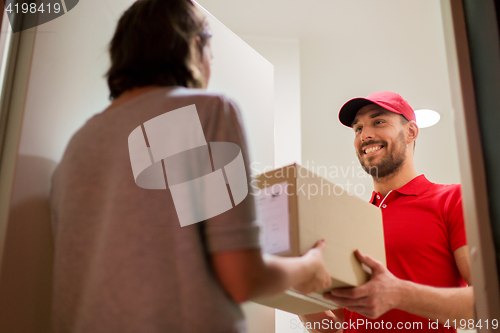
(296, 208)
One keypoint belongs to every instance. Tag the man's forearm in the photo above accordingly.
(384, 292)
(436, 303)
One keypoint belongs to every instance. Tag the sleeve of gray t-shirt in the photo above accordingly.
(236, 228)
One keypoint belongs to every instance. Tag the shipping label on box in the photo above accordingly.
(274, 217)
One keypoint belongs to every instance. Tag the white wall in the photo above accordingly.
(284, 54)
(243, 74)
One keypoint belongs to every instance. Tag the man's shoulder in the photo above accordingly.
(446, 188)
(447, 192)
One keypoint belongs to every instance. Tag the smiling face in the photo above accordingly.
(380, 140)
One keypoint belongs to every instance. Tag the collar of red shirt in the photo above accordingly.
(416, 186)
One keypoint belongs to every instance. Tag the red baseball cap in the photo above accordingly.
(388, 100)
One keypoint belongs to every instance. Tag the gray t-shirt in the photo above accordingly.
(123, 263)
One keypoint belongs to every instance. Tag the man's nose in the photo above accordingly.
(366, 134)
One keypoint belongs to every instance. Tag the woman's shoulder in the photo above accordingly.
(201, 94)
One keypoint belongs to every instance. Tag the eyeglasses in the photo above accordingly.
(205, 34)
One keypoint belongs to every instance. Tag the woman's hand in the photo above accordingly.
(319, 278)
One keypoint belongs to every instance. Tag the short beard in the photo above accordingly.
(391, 163)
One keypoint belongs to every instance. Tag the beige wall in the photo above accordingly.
(65, 88)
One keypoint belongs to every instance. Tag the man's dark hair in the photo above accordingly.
(153, 45)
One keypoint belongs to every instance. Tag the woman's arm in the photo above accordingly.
(246, 274)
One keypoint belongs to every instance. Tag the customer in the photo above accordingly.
(123, 263)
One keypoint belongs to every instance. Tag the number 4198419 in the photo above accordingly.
(32, 8)
(471, 324)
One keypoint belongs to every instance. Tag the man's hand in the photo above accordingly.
(375, 297)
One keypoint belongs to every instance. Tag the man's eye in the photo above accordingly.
(357, 129)
(378, 122)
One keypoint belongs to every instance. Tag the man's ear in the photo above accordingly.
(412, 131)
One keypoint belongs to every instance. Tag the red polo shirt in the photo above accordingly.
(423, 226)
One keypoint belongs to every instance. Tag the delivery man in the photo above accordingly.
(424, 287)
